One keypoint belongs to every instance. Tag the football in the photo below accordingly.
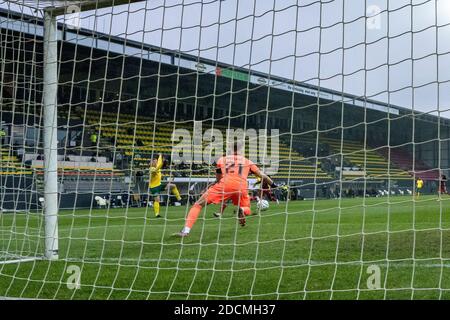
(262, 205)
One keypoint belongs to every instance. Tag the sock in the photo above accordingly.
(247, 210)
(224, 206)
(156, 208)
(176, 193)
(193, 215)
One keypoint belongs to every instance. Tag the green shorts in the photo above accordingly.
(156, 190)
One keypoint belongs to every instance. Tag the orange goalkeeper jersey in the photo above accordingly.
(235, 168)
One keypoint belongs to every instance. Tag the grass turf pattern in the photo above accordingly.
(296, 250)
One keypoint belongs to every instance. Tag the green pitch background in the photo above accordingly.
(295, 250)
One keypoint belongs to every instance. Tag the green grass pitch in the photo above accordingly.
(295, 250)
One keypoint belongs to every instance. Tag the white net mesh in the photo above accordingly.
(343, 103)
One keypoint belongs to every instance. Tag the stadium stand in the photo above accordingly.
(10, 164)
(358, 162)
(404, 160)
(367, 160)
(139, 142)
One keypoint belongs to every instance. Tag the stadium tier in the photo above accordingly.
(140, 142)
(363, 160)
(10, 164)
(359, 163)
(416, 167)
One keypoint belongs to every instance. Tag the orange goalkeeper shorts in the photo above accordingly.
(221, 192)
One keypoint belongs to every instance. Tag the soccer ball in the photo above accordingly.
(262, 205)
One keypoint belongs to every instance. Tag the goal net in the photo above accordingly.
(123, 122)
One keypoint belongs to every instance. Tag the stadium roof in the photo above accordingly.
(84, 37)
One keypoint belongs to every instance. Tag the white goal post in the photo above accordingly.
(51, 10)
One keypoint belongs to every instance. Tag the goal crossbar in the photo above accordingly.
(57, 8)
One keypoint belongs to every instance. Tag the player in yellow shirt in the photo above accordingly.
(156, 186)
(419, 186)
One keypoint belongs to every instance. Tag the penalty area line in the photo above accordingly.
(283, 263)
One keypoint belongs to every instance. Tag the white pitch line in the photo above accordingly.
(244, 261)
(20, 260)
(170, 225)
(284, 263)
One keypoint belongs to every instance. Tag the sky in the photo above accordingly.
(395, 51)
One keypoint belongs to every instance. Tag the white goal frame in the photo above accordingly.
(51, 10)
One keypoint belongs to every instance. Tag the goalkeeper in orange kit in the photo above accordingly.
(231, 184)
